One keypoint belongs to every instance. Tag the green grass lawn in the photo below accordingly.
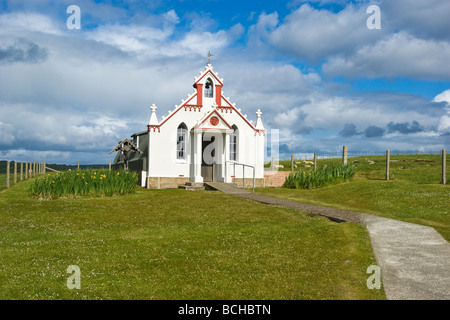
(413, 168)
(413, 195)
(2, 181)
(173, 244)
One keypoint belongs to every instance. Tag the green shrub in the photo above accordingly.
(312, 179)
(79, 183)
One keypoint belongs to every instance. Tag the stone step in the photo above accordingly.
(192, 186)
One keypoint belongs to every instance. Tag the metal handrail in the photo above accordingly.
(243, 172)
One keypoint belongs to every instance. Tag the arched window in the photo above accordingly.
(181, 141)
(234, 144)
(209, 85)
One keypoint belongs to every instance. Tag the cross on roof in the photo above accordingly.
(209, 55)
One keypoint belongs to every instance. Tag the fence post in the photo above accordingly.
(44, 170)
(444, 166)
(315, 161)
(292, 162)
(388, 160)
(7, 174)
(254, 174)
(109, 165)
(21, 170)
(26, 170)
(15, 172)
(78, 166)
(345, 155)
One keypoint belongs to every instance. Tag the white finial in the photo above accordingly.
(153, 118)
(259, 124)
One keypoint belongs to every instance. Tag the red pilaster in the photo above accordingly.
(219, 95)
(199, 94)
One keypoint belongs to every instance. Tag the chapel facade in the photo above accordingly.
(204, 139)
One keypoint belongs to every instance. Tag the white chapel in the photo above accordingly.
(204, 139)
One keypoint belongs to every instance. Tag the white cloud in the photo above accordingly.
(398, 55)
(130, 38)
(30, 22)
(443, 97)
(312, 34)
(444, 121)
(94, 87)
(422, 18)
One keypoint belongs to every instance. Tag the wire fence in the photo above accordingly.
(15, 171)
(345, 155)
(356, 154)
(19, 171)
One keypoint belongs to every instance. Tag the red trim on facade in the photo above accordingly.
(193, 106)
(183, 105)
(219, 95)
(210, 115)
(199, 88)
(259, 132)
(231, 106)
(198, 107)
(154, 127)
(214, 121)
(213, 129)
(204, 74)
(222, 109)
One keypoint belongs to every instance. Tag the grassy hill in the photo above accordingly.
(423, 168)
(174, 244)
(59, 167)
(413, 194)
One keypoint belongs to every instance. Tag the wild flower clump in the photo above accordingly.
(321, 177)
(79, 183)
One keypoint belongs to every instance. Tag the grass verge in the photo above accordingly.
(426, 204)
(173, 244)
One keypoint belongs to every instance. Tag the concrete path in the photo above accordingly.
(414, 260)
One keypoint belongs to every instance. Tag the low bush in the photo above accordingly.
(325, 175)
(79, 183)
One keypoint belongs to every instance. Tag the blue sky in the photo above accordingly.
(316, 71)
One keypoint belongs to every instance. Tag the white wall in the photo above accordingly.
(163, 143)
